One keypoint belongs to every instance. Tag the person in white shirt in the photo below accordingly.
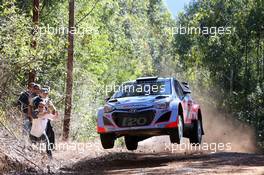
(44, 96)
(39, 123)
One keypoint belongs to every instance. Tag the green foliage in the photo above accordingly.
(234, 62)
(116, 42)
(121, 40)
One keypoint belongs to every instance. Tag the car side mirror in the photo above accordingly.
(107, 98)
(185, 88)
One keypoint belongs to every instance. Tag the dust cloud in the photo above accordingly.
(220, 128)
(224, 128)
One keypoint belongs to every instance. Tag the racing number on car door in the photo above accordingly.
(187, 103)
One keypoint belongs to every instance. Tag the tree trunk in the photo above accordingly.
(231, 81)
(32, 73)
(69, 83)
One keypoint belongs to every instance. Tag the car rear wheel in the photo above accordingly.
(196, 135)
(177, 134)
(131, 143)
(107, 141)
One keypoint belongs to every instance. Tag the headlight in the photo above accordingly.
(163, 105)
(108, 108)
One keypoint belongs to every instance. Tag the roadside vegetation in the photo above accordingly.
(122, 40)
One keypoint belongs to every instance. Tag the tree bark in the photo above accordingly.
(32, 73)
(69, 83)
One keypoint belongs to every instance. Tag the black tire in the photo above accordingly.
(177, 134)
(196, 135)
(131, 143)
(107, 141)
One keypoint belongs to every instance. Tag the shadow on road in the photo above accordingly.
(157, 163)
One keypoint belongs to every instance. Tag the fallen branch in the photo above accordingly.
(8, 130)
(21, 154)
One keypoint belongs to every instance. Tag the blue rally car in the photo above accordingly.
(150, 106)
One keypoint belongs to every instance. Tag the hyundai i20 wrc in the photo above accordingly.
(150, 106)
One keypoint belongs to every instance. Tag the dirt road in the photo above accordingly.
(166, 163)
(150, 158)
(153, 158)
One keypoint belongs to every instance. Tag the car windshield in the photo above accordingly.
(144, 88)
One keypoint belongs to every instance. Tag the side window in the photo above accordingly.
(178, 89)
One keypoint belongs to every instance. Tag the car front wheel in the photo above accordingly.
(177, 134)
(107, 141)
(131, 143)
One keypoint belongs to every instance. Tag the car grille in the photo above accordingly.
(125, 119)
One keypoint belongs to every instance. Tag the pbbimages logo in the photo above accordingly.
(207, 31)
(204, 147)
(62, 30)
(147, 89)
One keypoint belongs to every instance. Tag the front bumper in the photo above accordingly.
(139, 132)
(160, 123)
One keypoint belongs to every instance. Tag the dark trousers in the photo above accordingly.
(39, 139)
(51, 135)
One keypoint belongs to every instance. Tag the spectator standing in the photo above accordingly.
(35, 92)
(41, 116)
(44, 97)
(23, 103)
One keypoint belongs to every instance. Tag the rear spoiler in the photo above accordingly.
(185, 87)
(140, 79)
